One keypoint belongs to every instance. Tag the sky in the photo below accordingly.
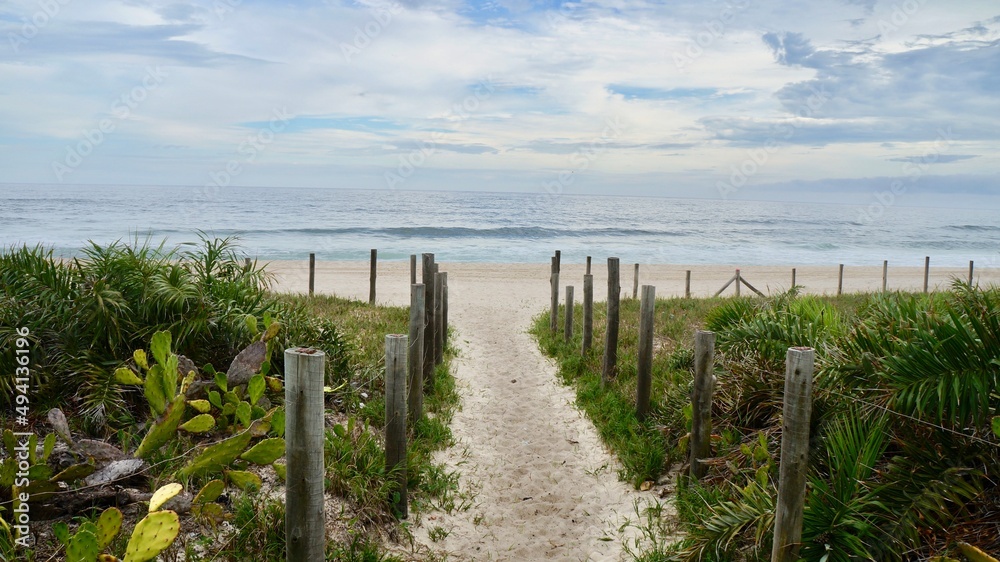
(858, 101)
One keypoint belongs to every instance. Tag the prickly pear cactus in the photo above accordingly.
(108, 525)
(164, 429)
(218, 456)
(152, 535)
(82, 547)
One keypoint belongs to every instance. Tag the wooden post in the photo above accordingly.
(246, 263)
(588, 266)
(970, 272)
(796, 413)
(371, 277)
(554, 295)
(415, 356)
(312, 273)
(927, 272)
(701, 401)
(427, 272)
(635, 282)
(885, 274)
(588, 312)
(413, 269)
(444, 309)
(687, 284)
(610, 364)
(737, 277)
(644, 374)
(438, 317)
(558, 261)
(840, 281)
(305, 525)
(395, 419)
(793, 277)
(568, 328)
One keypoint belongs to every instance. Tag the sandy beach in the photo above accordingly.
(543, 486)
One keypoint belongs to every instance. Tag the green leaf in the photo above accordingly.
(278, 422)
(272, 330)
(215, 399)
(209, 370)
(210, 492)
(246, 481)
(265, 367)
(47, 446)
(199, 424)
(201, 406)
(61, 531)
(124, 375)
(995, 424)
(108, 525)
(160, 346)
(154, 390)
(170, 377)
(139, 356)
(164, 429)
(74, 472)
(255, 388)
(266, 451)
(163, 495)
(251, 321)
(152, 536)
(215, 457)
(243, 413)
(82, 547)
(221, 382)
(280, 469)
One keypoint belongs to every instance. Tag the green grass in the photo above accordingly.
(645, 449)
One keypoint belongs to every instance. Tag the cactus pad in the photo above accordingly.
(244, 480)
(200, 406)
(199, 424)
(82, 547)
(124, 375)
(108, 525)
(210, 492)
(216, 457)
(152, 535)
(266, 451)
(163, 430)
(163, 495)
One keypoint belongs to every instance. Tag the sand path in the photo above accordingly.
(541, 483)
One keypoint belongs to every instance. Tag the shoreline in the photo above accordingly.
(531, 280)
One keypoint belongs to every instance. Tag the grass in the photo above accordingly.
(645, 449)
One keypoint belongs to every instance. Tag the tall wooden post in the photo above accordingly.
(558, 261)
(796, 413)
(568, 328)
(793, 277)
(885, 274)
(927, 272)
(438, 316)
(840, 281)
(413, 269)
(644, 374)
(371, 277)
(395, 419)
(312, 273)
(701, 401)
(738, 279)
(246, 263)
(610, 364)
(554, 296)
(427, 272)
(588, 312)
(588, 266)
(687, 284)
(635, 282)
(415, 355)
(305, 525)
(970, 272)
(444, 308)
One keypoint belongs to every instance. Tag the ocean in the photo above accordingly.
(339, 224)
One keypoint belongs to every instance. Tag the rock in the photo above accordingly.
(115, 472)
(101, 452)
(246, 364)
(59, 424)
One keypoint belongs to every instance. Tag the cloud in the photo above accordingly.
(935, 158)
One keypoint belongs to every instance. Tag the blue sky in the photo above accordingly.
(740, 99)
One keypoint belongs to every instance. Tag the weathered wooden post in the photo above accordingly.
(395, 420)
(840, 281)
(246, 263)
(371, 277)
(644, 374)
(305, 525)
(796, 412)
(413, 269)
(554, 295)
(970, 272)
(687, 284)
(927, 272)
(588, 266)
(739, 280)
(438, 316)
(885, 274)
(635, 282)
(415, 355)
(312, 273)
(568, 328)
(610, 364)
(558, 261)
(588, 312)
(701, 401)
(427, 272)
(444, 307)
(793, 277)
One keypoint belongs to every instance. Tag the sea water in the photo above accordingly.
(341, 224)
